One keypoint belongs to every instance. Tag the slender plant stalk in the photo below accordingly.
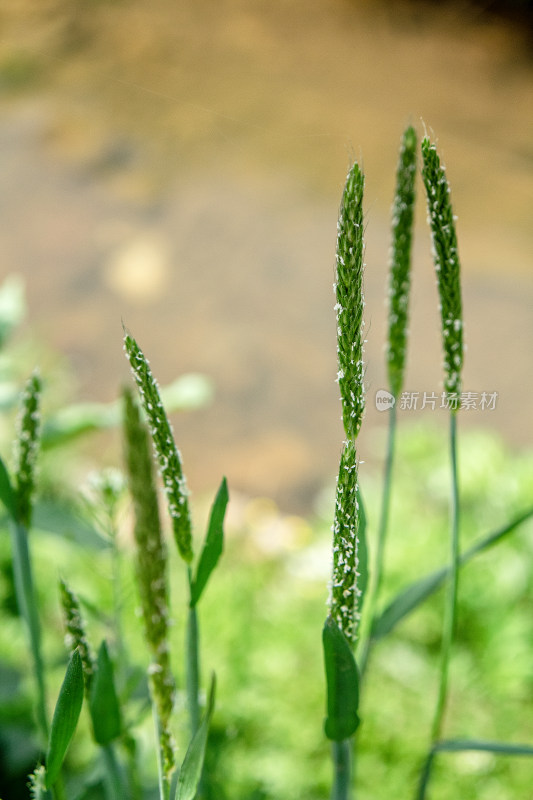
(27, 603)
(380, 548)
(341, 754)
(162, 773)
(114, 777)
(152, 583)
(169, 460)
(399, 286)
(425, 775)
(451, 615)
(345, 593)
(26, 447)
(108, 487)
(447, 266)
(193, 669)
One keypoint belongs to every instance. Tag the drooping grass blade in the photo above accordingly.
(414, 595)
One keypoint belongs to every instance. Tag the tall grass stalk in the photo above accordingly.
(152, 583)
(170, 464)
(193, 669)
(26, 447)
(169, 460)
(447, 266)
(399, 285)
(345, 593)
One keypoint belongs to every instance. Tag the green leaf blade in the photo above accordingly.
(342, 680)
(191, 769)
(416, 593)
(479, 745)
(66, 714)
(407, 601)
(214, 543)
(103, 701)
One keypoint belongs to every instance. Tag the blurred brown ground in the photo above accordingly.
(180, 166)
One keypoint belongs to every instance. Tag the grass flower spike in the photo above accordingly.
(344, 591)
(151, 570)
(350, 302)
(442, 223)
(400, 267)
(76, 636)
(26, 445)
(168, 455)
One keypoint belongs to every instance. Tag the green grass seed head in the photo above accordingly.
(37, 784)
(446, 258)
(26, 449)
(76, 636)
(151, 567)
(350, 302)
(400, 263)
(168, 455)
(344, 591)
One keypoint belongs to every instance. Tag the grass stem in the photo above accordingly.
(193, 669)
(382, 537)
(164, 783)
(450, 613)
(116, 789)
(27, 603)
(341, 769)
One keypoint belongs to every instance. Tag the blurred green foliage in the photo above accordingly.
(267, 739)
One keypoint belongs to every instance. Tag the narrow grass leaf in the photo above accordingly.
(400, 266)
(168, 455)
(103, 701)
(409, 599)
(501, 748)
(414, 595)
(186, 392)
(447, 267)
(66, 714)
(191, 769)
(7, 494)
(342, 680)
(214, 543)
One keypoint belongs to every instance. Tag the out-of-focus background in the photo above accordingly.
(179, 166)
